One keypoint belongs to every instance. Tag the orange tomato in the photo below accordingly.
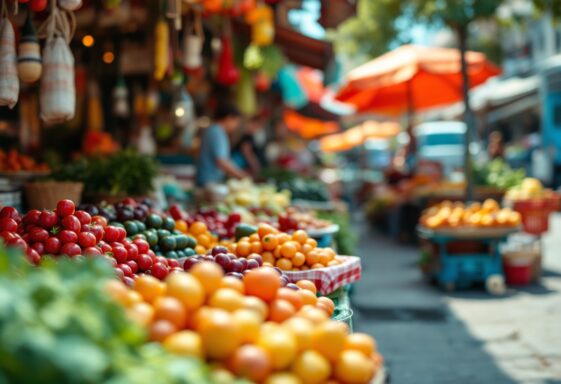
(306, 248)
(299, 259)
(315, 315)
(197, 228)
(220, 334)
(227, 299)
(308, 297)
(284, 264)
(250, 362)
(284, 237)
(327, 304)
(141, 313)
(149, 287)
(185, 343)
(170, 309)
(181, 225)
(280, 344)
(270, 242)
(311, 367)
(209, 275)
(312, 242)
(291, 296)
(243, 249)
(256, 247)
(200, 249)
(361, 342)
(288, 250)
(300, 236)
(312, 258)
(161, 329)
(268, 257)
(249, 322)
(187, 289)
(317, 266)
(233, 283)
(281, 310)
(264, 230)
(204, 239)
(307, 285)
(329, 338)
(277, 252)
(262, 283)
(353, 367)
(256, 305)
(254, 237)
(302, 329)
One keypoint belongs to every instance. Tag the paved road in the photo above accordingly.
(431, 337)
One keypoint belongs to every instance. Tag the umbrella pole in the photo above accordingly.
(468, 116)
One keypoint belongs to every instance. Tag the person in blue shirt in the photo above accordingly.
(214, 163)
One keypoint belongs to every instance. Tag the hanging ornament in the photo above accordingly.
(262, 28)
(29, 53)
(161, 49)
(241, 7)
(246, 100)
(70, 5)
(58, 92)
(227, 74)
(252, 58)
(152, 101)
(9, 82)
(121, 99)
(193, 40)
(37, 5)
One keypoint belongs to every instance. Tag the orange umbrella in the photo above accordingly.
(413, 78)
(358, 135)
(308, 127)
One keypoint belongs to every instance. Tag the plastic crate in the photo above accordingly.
(535, 214)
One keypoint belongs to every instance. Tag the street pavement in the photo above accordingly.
(429, 336)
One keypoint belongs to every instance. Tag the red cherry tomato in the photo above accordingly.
(142, 245)
(84, 217)
(48, 219)
(32, 217)
(122, 234)
(17, 242)
(72, 223)
(97, 230)
(120, 274)
(38, 234)
(111, 234)
(52, 246)
(159, 271)
(70, 249)
(86, 239)
(162, 260)
(10, 213)
(67, 236)
(144, 262)
(39, 248)
(64, 207)
(132, 251)
(7, 224)
(133, 266)
(126, 269)
(33, 256)
(111, 261)
(173, 263)
(99, 220)
(91, 251)
(120, 254)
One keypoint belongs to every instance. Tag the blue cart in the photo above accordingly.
(460, 270)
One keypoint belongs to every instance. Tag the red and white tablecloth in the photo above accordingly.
(329, 279)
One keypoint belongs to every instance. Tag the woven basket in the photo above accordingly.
(46, 194)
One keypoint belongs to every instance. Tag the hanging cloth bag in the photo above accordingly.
(58, 90)
(9, 82)
(193, 40)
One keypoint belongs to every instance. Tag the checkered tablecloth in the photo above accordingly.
(329, 279)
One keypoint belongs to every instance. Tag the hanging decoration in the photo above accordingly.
(241, 7)
(193, 40)
(173, 12)
(262, 81)
(29, 53)
(161, 49)
(70, 5)
(37, 5)
(9, 82)
(58, 92)
(262, 28)
(252, 58)
(246, 99)
(121, 99)
(227, 74)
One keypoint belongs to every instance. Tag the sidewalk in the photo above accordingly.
(431, 337)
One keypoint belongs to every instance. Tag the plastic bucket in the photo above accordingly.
(518, 272)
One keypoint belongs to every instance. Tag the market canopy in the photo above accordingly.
(307, 127)
(411, 78)
(358, 135)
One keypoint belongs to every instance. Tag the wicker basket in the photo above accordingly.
(46, 194)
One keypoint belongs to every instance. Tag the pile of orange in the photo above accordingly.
(251, 328)
(206, 240)
(296, 252)
(476, 215)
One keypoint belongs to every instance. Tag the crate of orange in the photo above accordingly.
(299, 256)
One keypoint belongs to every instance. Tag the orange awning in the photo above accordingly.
(413, 77)
(358, 135)
(308, 127)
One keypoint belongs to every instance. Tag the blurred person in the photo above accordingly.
(496, 148)
(214, 162)
(248, 153)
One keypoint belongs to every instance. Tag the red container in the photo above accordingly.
(535, 214)
(518, 272)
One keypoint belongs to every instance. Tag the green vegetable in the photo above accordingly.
(58, 325)
(497, 173)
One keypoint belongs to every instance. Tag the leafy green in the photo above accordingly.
(497, 173)
(58, 325)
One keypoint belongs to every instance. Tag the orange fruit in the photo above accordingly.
(268, 257)
(256, 305)
(262, 283)
(270, 242)
(264, 230)
(281, 345)
(118, 291)
(288, 250)
(277, 252)
(317, 266)
(149, 287)
(301, 328)
(329, 339)
(254, 237)
(308, 297)
(232, 247)
(256, 247)
(187, 289)
(300, 236)
(249, 322)
(284, 264)
(304, 268)
(315, 315)
(312, 242)
(220, 334)
(312, 368)
(170, 309)
(306, 248)
(181, 225)
(327, 303)
(324, 258)
(353, 367)
(299, 259)
(281, 310)
(197, 318)
(243, 249)
(292, 296)
(141, 313)
(307, 285)
(197, 228)
(312, 257)
(233, 283)
(204, 240)
(200, 250)
(226, 298)
(284, 237)
(333, 263)
(282, 378)
(160, 330)
(185, 343)
(209, 275)
(361, 342)
(250, 362)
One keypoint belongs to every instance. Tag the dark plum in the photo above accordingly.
(292, 286)
(219, 249)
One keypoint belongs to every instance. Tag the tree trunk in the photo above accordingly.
(468, 114)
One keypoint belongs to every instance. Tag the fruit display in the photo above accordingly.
(246, 194)
(251, 328)
(295, 218)
(530, 189)
(476, 215)
(13, 161)
(216, 224)
(497, 173)
(288, 252)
